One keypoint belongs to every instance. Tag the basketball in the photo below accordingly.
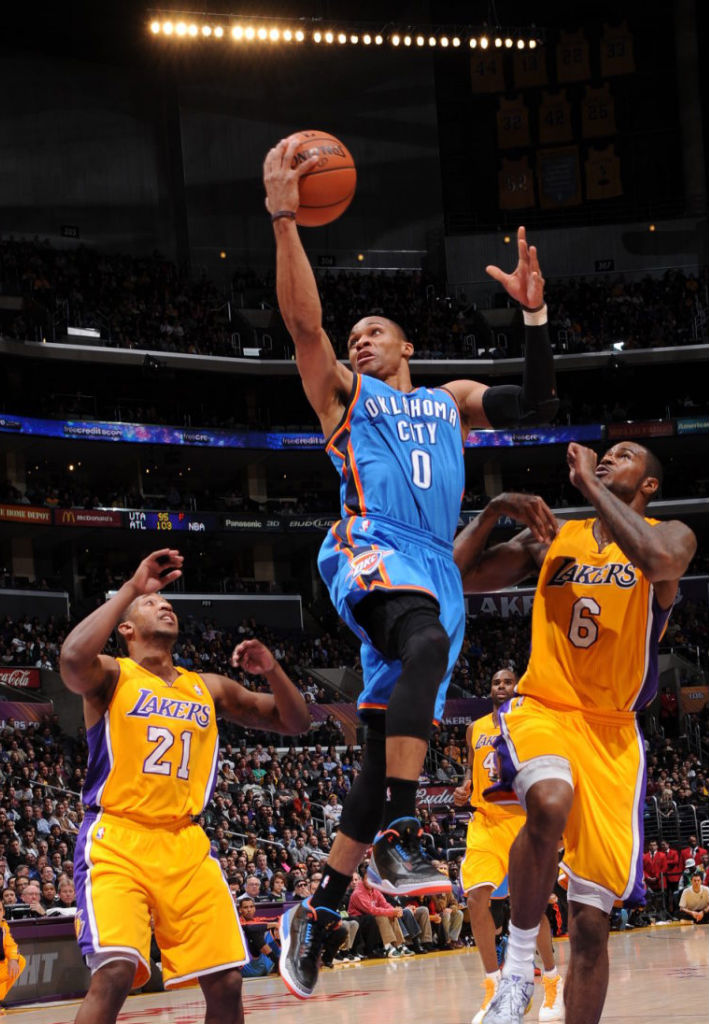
(327, 190)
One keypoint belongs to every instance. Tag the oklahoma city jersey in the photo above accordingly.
(596, 625)
(153, 756)
(400, 456)
(485, 771)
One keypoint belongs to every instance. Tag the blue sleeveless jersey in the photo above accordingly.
(400, 455)
(400, 459)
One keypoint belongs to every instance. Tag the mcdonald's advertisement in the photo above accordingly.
(87, 517)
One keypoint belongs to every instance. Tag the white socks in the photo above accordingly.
(519, 956)
(494, 975)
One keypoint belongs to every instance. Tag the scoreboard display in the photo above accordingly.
(169, 520)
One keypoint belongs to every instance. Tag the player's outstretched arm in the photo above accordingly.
(509, 405)
(82, 667)
(325, 380)
(283, 710)
(662, 552)
(503, 565)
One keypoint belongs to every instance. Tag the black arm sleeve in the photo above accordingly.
(508, 405)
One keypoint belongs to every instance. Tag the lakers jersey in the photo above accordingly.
(153, 755)
(596, 625)
(485, 771)
(400, 456)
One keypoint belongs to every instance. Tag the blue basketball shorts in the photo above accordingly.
(361, 556)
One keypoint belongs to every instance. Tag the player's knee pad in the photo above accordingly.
(424, 660)
(364, 806)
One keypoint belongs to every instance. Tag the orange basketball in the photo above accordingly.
(327, 190)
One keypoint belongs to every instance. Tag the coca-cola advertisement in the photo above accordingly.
(22, 678)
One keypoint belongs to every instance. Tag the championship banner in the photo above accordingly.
(25, 514)
(22, 678)
(23, 713)
(87, 517)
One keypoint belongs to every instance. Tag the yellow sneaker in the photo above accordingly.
(553, 1006)
(490, 986)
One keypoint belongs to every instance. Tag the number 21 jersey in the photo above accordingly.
(153, 755)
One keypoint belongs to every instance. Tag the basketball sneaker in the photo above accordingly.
(490, 985)
(400, 865)
(303, 932)
(553, 1006)
(511, 1001)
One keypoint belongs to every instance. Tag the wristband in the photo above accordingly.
(283, 214)
(535, 319)
(532, 309)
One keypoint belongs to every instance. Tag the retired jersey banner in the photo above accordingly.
(22, 678)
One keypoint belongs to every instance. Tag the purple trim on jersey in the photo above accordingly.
(502, 791)
(648, 689)
(636, 898)
(212, 784)
(100, 762)
(81, 883)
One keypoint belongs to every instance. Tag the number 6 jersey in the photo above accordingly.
(596, 625)
(153, 755)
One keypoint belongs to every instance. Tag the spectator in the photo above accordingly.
(263, 947)
(694, 901)
(692, 850)
(366, 900)
(654, 867)
(32, 897)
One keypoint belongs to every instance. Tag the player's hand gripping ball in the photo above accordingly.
(325, 191)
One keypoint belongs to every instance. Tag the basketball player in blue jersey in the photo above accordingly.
(388, 562)
(153, 756)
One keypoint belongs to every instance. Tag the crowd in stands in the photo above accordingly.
(147, 303)
(271, 823)
(490, 641)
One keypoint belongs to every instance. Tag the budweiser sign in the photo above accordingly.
(22, 678)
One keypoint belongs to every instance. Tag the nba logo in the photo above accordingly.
(100, 832)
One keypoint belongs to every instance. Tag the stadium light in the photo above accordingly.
(239, 29)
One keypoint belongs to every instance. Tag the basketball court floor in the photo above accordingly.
(657, 974)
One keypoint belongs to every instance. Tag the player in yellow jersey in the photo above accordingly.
(571, 748)
(491, 832)
(153, 754)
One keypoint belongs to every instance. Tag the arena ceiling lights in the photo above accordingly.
(186, 27)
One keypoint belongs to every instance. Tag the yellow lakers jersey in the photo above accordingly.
(153, 755)
(485, 771)
(596, 625)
